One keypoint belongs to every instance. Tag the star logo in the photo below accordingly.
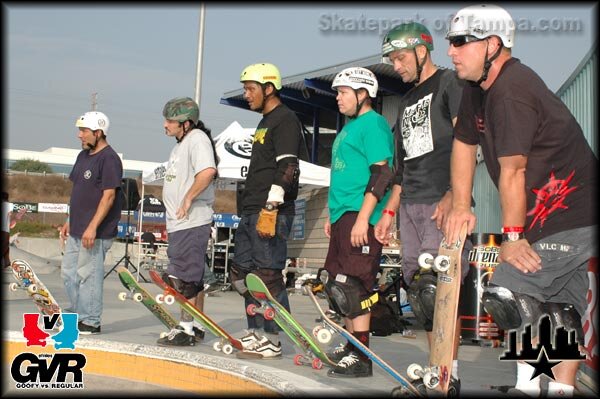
(542, 365)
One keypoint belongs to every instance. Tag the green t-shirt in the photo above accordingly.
(361, 143)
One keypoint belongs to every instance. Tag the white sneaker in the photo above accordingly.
(249, 339)
(263, 349)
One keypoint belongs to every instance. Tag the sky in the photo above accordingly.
(136, 58)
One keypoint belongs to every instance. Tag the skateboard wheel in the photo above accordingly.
(122, 296)
(217, 346)
(441, 263)
(169, 299)
(298, 360)
(425, 260)
(32, 289)
(431, 380)
(138, 297)
(160, 298)
(317, 364)
(227, 349)
(324, 336)
(414, 371)
(13, 286)
(269, 314)
(251, 309)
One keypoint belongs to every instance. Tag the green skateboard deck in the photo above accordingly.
(273, 310)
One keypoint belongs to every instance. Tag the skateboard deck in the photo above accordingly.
(138, 294)
(448, 267)
(36, 289)
(273, 310)
(407, 388)
(226, 342)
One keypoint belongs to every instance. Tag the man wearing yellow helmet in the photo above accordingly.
(267, 202)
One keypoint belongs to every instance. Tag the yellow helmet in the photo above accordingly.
(262, 73)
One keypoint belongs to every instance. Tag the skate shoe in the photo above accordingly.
(177, 337)
(351, 366)
(262, 349)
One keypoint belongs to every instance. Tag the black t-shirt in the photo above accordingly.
(423, 135)
(278, 133)
(519, 115)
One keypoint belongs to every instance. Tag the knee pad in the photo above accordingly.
(348, 298)
(566, 316)
(511, 310)
(237, 276)
(187, 289)
(421, 297)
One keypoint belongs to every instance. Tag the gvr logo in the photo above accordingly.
(30, 370)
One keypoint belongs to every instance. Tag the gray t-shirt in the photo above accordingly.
(423, 135)
(189, 157)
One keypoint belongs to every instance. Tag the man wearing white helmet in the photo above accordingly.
(94, 212)
(421, 188)
(545, 172)
(360, 178)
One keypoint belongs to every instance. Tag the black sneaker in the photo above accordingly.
(339, 352)
(352, 366)
(454, 388)
(177, 337)
(198, 333)
(85, 329)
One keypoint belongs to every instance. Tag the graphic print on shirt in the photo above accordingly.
(417, 137)
(171, 173)
(550, 198)
(338, 163)
(260, 136)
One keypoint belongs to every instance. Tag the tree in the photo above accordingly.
(31, 165)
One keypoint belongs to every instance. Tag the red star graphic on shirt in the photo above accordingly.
(550, 198)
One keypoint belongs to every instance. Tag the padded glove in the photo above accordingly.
(266, 223)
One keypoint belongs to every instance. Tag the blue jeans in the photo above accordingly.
(253, 252)
(82, 272)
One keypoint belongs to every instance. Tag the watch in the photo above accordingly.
(270, 207)
(512, 236)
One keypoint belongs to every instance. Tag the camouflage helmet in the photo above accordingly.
(181, 109)
(406, 36)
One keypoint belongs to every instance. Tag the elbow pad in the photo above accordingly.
(288, 174)
(379, 183)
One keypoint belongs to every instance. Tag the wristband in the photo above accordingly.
(512, 237)
(513, 229)
(389, 212)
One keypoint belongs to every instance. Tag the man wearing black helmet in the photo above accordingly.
(421, 191)
(188, 195)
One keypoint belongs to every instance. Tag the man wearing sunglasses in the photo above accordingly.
(545, 172)
(421, 192)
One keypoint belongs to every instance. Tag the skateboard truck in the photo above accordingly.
(429, 375)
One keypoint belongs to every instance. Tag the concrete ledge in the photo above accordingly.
(178, 369)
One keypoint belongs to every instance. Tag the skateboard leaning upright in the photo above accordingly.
(226, 342)
(273, 310)
(447, 264)
(138, 294)
(27, 280)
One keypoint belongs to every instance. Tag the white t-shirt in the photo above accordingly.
(189, 157)
(6, 211)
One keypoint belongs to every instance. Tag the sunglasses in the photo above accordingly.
(458, 41)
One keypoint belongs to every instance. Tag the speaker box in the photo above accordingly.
(131, 194)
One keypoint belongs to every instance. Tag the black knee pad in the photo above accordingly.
(565, 315)
(511, 310)
(348, 296)
(237, 276)
(421, 297)
(187, 289)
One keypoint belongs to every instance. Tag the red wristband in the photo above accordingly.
(389, 212)
(513, 229)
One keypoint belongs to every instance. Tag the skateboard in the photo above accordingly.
(226, 342)
(138, 294)
(273, 310)
(36, 289)
(447, 264)
(406, 388)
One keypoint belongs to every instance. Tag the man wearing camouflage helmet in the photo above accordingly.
(94, 212)
(188, 195)
(421, 191)
(267, 202)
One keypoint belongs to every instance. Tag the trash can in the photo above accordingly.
(477, 325)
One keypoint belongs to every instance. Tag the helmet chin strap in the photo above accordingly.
(359, 105)
(93, 146)
(419, 66)
(185, 132)
(487, 64)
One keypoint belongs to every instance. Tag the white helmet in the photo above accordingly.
(93, 120)
(357, 78)
(483, 21)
